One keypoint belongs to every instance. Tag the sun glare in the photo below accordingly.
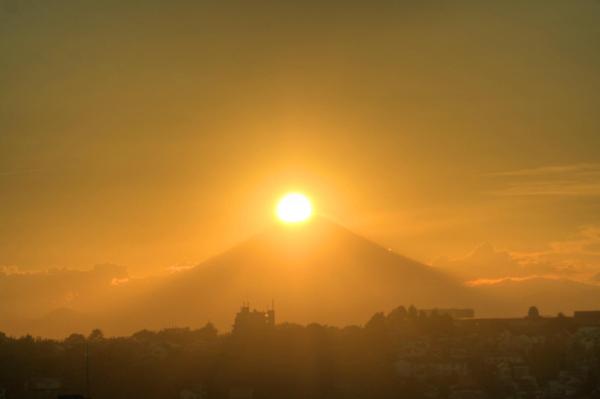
(294, 208)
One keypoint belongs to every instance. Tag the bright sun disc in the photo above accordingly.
(294, 208)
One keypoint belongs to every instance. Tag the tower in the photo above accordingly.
(253, 320)
(270, 314)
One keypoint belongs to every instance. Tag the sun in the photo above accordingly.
(294, 208)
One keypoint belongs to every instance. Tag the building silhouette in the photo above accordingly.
(590, 317)
(247, 320)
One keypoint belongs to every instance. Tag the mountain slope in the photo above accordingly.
(315, 272)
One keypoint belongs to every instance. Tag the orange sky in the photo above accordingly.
(158, 134)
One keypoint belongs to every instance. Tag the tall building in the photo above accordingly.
(253, 320)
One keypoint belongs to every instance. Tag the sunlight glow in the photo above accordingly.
(294, 208)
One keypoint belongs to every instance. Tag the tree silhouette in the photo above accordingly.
(533, 313)
(96, 335)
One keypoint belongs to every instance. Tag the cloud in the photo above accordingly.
(12, 270)
(19, 172)
(579, 254)
(181, 267)
(31, 293)
(486, 262)
(119, 281)
(581, 180)
(576, 258)
(580, 169)
(494, 281)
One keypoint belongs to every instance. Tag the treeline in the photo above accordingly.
(286, 361)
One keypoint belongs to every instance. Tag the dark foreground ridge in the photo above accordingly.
(407, 353)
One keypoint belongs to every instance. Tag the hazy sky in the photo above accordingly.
(159, 133)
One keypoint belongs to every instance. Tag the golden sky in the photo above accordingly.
(157, 134)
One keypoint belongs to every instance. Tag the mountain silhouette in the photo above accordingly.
(315, 272)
